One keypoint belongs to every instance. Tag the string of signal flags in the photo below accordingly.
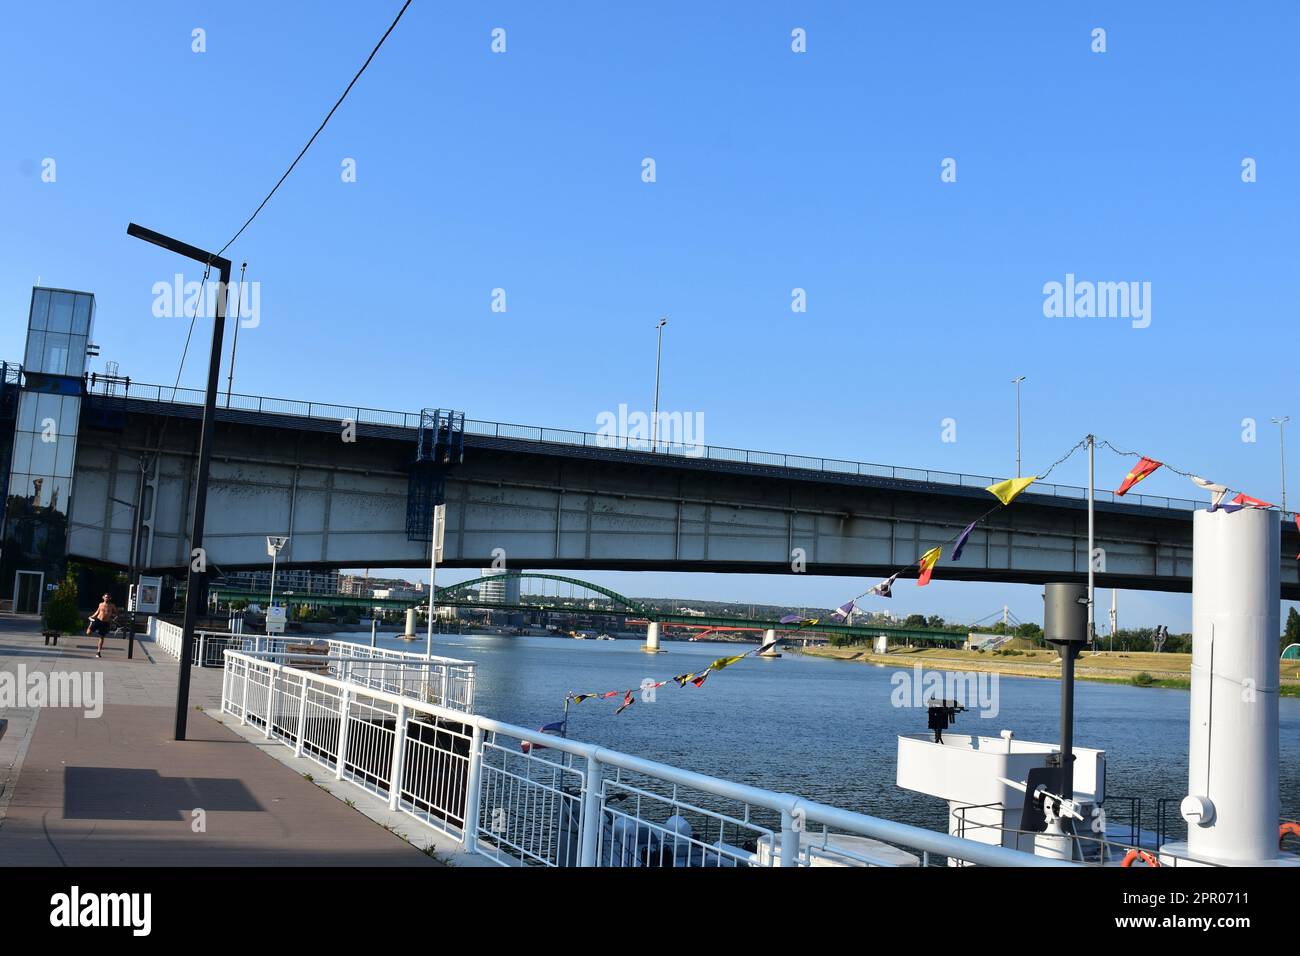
(1006, 492)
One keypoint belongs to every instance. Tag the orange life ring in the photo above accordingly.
(1284, 829)
(1146, 858)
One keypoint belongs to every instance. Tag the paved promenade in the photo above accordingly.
(117, 790)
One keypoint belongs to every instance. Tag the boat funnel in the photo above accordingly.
(1232, 805)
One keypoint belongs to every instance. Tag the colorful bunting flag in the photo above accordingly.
(556, 728)
(1141, 470)
(579, 698)
(722, 662)
(843, 611)
(928, 561)
(628, 701)
(885, 588)
(961, 540)
(699, 679)
(1006, 491)
(1248, 501)
(1217, 491)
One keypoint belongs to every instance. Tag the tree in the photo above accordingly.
(936, 622)
(1292, 633)
(62, 613)
(1030, 630)
(915, 620)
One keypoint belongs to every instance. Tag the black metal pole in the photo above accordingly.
(132, 564)
(196, 581)
(1068, 652)
(197, 576)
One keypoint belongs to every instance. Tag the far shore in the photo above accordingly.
(1113, 667)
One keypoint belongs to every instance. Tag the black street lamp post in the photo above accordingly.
(197, 576)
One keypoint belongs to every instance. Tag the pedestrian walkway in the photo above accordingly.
(117, 790)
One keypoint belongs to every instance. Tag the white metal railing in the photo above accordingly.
(521, 797)
(446, 681)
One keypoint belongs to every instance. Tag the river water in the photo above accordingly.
(819, 728)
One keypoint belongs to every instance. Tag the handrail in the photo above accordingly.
(795, 812)
(660, 449)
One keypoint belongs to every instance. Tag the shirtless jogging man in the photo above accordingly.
(101, 621)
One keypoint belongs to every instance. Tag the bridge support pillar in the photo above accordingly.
(651, 645)
(410, 634)
(769, 637)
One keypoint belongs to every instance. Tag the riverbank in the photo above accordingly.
(1134, 668)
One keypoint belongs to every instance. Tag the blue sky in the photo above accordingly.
(775, 170)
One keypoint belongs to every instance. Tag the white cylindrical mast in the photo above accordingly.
(1232, 805)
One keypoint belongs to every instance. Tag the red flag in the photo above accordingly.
(1143, 468)
(1244, 499)
(927, 563)
(628, 701)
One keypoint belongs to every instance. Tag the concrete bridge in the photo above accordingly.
(335, 479)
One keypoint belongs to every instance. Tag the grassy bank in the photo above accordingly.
(1135, 668)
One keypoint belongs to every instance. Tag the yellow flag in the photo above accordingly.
(1006, 491)
(927, 563)
(722, 662)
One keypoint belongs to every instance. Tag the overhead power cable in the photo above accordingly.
(303, 151)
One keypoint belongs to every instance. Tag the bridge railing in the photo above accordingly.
(561, 436)
(446, 681)
(519, 797)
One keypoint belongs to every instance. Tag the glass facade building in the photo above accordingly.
(44, 446)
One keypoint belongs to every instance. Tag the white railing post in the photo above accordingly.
(202, 642)
(343, 734)
(789, 839)
(243, 703)
(225, 687)
(446, 673)
(590, 833)
(302, 714)
(270, 699)
(395, 768)
(469, 833)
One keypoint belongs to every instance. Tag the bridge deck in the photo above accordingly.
(117, 790)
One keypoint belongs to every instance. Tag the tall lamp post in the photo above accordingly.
(1016, 382)
(654, 420)
(1281, 438)
(196, 578)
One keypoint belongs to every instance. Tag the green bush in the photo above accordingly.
(1143, 679)
(61, 612)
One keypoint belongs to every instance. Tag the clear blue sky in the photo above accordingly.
(775, 170)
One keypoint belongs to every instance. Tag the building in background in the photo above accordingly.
(38, 473)
(503, 590)
(298, 581)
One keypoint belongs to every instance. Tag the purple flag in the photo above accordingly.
(844, 610)
(961, 540)
(885, 587)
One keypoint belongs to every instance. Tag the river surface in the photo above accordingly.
(819, 728)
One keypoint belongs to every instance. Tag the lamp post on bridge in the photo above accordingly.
(654, 419)
(1016, 382)
(197, 576)
(1281, 438)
